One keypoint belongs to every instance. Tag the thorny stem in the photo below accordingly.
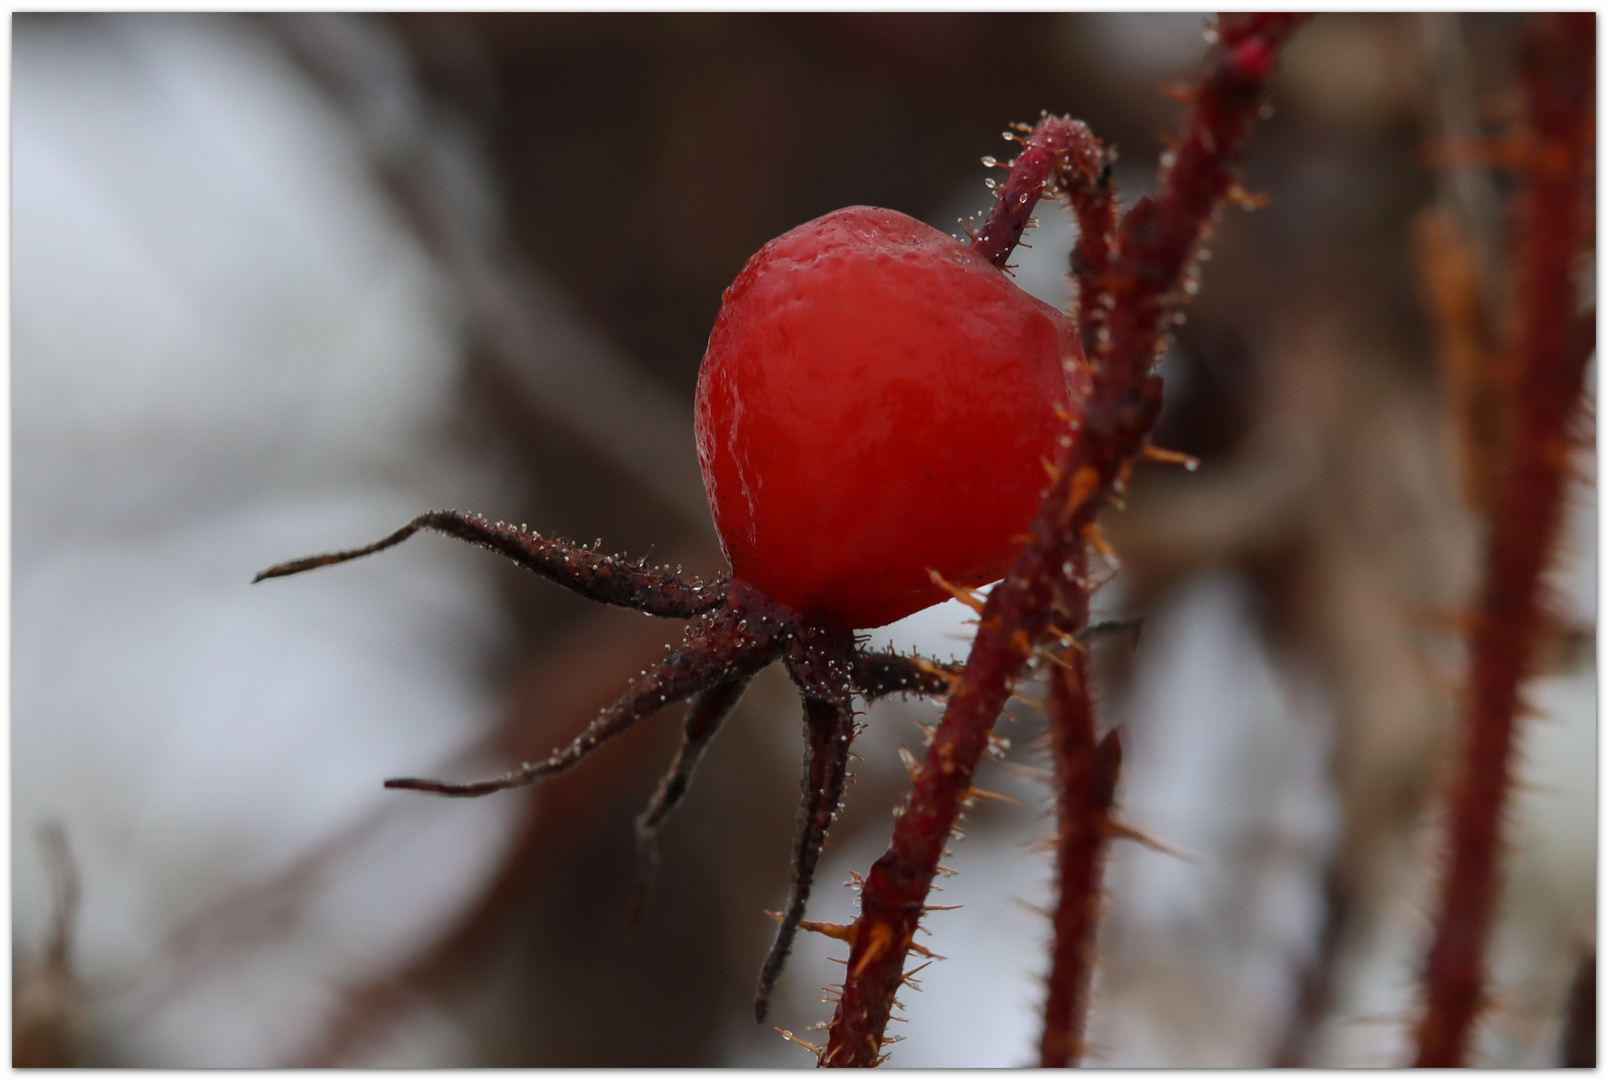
(1086, 771)
(1158, 239)
(1087, 793)
(606, 578)
(1094, 201)
(1552, 348)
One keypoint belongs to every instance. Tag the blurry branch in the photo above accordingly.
(260, 913)
(1552, 344)
(266, 911)
(556, 694)
(45, 996)
(1086, 772)
(1579, 1043)
(1468, 188)
(1458, 249)
(427, 160)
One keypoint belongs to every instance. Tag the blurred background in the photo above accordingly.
(281, 282)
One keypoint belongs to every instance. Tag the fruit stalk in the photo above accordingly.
(1552, 346)
(1156, 243)
(1058, 154)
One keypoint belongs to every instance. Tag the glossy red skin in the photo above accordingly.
(877, 401)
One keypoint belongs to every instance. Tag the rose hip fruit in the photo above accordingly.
(877, 401)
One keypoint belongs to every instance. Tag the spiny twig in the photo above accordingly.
(1553, 344)
(1086, 772)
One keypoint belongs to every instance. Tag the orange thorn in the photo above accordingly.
(1046, 654)
(968, 597)
(933, 669)
(1067, 639)
(910, 764)
(881, 938)
(979, 793)
(1027, 772)
(1085, 483)
(836, 931)
(1092, 533)
(790, 1037)
(909, 977)
(1245, 200)
(1171, 457)
(1121, 830)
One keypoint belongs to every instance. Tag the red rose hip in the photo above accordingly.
(877, 401)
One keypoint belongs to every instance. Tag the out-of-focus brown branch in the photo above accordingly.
(1146, 282)
(1578, 1049)
(554, 694)
(46, 999)
(1551, 351)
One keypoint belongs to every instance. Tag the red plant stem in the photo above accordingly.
(1061, 156)
(1095, 202)
(1559, 60)
(1157, 241)
(1086, 783)
(1058, 152)
(1160, 234)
